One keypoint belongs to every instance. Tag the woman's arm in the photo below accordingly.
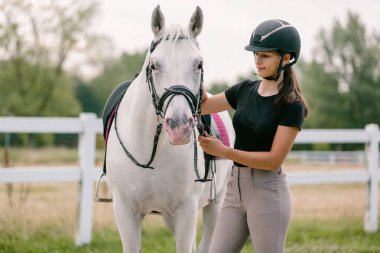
(271, 160)
(213, 104)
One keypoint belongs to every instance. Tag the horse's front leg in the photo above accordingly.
(211, 211)
(210, 215)
(185, 225)
(129, 225)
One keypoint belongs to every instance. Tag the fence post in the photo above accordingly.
(372, 150)
(87, 148)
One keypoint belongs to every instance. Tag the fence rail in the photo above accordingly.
(87, 126)
(329, 157)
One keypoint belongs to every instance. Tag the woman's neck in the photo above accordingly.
(269, 87)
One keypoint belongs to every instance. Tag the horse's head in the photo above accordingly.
(174, 74)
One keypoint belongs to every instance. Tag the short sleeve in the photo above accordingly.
(232, 94)
(292, 115)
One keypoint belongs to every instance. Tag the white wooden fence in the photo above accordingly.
(87, 126)
(328, 157)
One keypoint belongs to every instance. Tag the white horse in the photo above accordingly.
(166, 91)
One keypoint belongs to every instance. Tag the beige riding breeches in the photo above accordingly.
(257, 204)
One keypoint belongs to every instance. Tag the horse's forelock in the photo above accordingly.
(176, 32)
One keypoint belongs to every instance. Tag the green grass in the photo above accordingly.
(305, 235)
(328, 236)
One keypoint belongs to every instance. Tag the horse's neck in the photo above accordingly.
(137, 119)
(137, 101)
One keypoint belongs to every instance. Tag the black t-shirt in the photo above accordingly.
(256, 118)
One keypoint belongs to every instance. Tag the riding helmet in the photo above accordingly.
(276, 35)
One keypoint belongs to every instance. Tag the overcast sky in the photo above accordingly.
(228, 25)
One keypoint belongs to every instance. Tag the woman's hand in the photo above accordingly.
(211, 145)
(204, 93)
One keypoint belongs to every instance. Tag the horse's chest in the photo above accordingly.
(164, 194)
(170, 183)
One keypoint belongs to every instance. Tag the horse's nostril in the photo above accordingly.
(173, 122)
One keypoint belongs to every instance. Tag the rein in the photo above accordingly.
(159, 102)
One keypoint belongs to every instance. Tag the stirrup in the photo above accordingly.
(213, 194)
(96, 198)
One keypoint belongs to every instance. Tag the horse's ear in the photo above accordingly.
(158, 21)
(196, 22)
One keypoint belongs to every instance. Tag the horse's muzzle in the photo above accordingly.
(179, 129)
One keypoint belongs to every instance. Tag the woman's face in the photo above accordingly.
(267, 63)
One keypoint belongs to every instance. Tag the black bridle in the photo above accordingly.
(159, 102)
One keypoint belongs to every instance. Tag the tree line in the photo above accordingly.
(38, 42)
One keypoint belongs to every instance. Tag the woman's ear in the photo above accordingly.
(286, 60)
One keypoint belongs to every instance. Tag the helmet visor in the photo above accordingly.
(260, 49)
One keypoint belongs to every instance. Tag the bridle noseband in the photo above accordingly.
(159, 102)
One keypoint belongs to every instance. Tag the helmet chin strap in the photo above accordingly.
(279, 69)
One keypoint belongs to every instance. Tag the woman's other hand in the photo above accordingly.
(212, 145)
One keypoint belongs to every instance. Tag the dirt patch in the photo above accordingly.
(329, 201)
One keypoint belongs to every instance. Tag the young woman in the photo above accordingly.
(269, 114)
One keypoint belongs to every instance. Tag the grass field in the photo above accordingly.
(305, 235)
(42, 217)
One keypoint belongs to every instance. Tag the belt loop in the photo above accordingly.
(238, 181)
(253, 184)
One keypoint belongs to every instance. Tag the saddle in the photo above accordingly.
(112, 105)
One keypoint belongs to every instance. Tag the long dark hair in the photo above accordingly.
(289, 91)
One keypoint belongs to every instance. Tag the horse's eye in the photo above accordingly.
(200, 66)
(154, 67)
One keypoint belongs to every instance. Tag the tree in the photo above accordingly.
(116, 71)
(217, 88)
(86, 97)
(342, 81)
(322, 95)
(36, 40)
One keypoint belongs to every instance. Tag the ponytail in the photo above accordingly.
(289, 91)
